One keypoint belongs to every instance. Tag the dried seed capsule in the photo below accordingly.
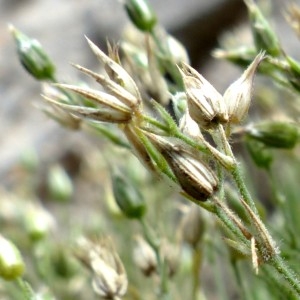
(195, 177)
(206, 105)
(238, 95)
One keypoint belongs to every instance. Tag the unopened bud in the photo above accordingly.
(264, 37)
(128, 196)
(194, 176)
(238, 95)
(206, 105)
(60, 184)
(242, 56)
(11, 262)
(144, 257)
(38, 222)
(141, 14)
(275, 134)
(260, 154)
(33, 57)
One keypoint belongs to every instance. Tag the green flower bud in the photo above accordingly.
(275, 134)
(141, 14)
(294, 72)
(242, 56)
(260, 154)
(33, 57)
(38, 223)
(127, 196)
(263, 35)
(59, 184)
(11, 262)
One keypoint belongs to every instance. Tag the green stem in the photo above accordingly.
(290, 276)
(27, 291)
(197, 263)
(161, 263)
(238, 178)
(277, 262)
(244, 294)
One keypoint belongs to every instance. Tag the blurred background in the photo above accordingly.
(27, 136)
(60, 26)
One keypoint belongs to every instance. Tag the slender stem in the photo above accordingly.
(197, 263)
(27, 291)
(244, 294)
(279, 264)
(176, 134)
(155, 123)
(161, 263)
(191, 142)
(238, 178)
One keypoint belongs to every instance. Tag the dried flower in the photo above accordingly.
(116, 72)
(109, 276)
(113, 88)
(110, 108)
(144, 257)
(238, 95)
(206, 105)
(11, 262)
(195, 177)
